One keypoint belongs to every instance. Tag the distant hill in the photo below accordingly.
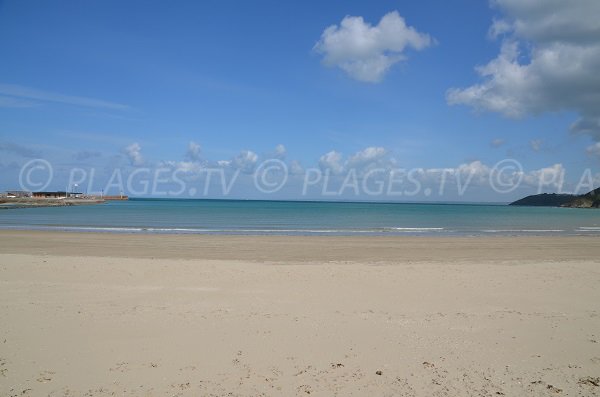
(588, 200)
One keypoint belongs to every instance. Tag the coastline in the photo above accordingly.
(301, 248)
(187, 315)
(15, 203)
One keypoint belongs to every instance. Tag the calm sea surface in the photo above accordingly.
(305, 218)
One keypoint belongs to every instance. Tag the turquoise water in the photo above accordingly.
(300, 218)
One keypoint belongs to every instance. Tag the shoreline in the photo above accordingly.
(300, 248)
(17, 203)
(419, 232)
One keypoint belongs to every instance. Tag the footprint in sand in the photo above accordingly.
(3, 369)
(45, 376)
(304, 389)
(590, 381)
(428, 364)
(121, 367)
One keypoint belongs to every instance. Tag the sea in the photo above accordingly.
(246, 217)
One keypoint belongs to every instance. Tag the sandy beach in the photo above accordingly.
(89, 314)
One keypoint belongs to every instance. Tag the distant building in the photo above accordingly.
(18, 194)
(57, 195)
(49, 194)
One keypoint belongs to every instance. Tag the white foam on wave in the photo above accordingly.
(74, 228)
(417, 229)
(291, 231)
(522, 230)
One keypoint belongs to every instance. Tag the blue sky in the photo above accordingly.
(82, 81)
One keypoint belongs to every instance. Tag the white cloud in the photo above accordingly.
(188, 167)
(497, 142)
(552, 177)
(280, 152)
(367, 52)
(474, 172)
(370, 156)
(478, 173)
(466, 174)
(594, 150)
(557, 71)
(536, 144)
(360, 162)
(20, 92)
(499, 27)
(332, 161)
(574, 21)
(192, 165)
(245, 161)
(193, 152)
(296, 168)
(134, 153)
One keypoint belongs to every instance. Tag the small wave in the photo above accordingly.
(180, 230)
(417, 229)
(183, 230)
(299, 231)
(522, 230)
(74, 228)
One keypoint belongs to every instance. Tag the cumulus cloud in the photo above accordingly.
(192, 165)
(193, 152)
(499, 27)
(134, 153)
(190, 168)
(480, 174)
(280, 152)
(549, 61)
(594, 150)
(296, 168)
(245, 161)
(361, 161)
(477, 173)
(466, 174)
(552, 177)
(497, 142)
(332, 161)
(367, 52)
(536, 144)
(368, 156)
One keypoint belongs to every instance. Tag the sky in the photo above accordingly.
(427, 92)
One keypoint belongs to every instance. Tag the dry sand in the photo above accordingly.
(135, 315)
